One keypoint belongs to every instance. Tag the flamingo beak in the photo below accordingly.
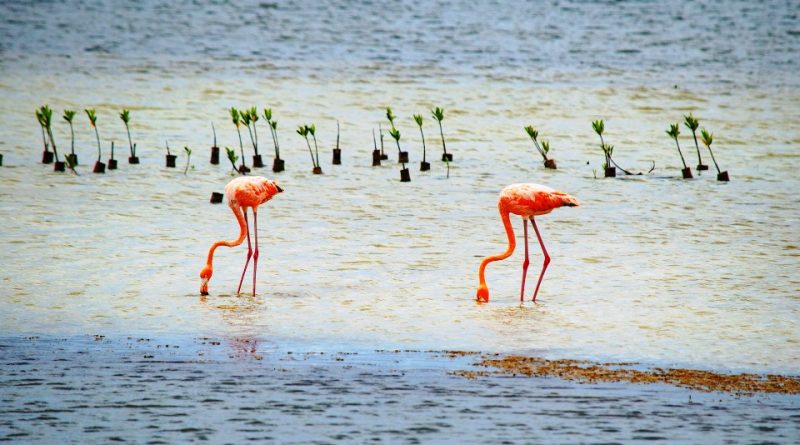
(280, 190)
(204, 287)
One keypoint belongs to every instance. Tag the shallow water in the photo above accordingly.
(142, 390)
(652, 269)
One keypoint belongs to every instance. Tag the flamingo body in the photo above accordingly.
(526, 200)
(242, 193)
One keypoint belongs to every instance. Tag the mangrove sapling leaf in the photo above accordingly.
(92, 114)
(68, 116)
(274, 126)
(673, 132)
(534, 134)
(254, 119)
(692, 123)
(313, 130)
(125, 115)
(708, 138)
(545, 148)
(233, 158)
(46, 116)
(390, 115)
(246, 118)
(395, 133)
(40, 120)
(438, 114)
(236, 118)
(188, 159)
(418, 120)
(302, 130)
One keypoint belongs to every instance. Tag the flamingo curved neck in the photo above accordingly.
(239, 213)
(512, 244)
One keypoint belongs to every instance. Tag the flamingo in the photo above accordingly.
(527, 201)
(243, 193)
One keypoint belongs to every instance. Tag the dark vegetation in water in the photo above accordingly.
(544, 149)
(337, 152)
(424, 165)
(673, 132)
(249, 117)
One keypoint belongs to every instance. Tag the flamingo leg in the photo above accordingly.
(524, 263)
(546, 258)
(255, 254)
(249, 252)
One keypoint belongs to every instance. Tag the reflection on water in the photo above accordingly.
(652, 269)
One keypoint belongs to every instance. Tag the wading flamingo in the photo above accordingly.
(527, 201)
(243, 193)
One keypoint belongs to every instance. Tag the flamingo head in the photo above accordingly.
(483, 294)
(205, 275)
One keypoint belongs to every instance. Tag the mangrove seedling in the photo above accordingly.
(47, 155)
(303, 130)
(708, 138)
(251, 115)
(384, 156)
(376, 154)
(170, 157)
(312, 129)
(405, 176)
(72, 158)
(112, 163)
(214, 148)
(390, 116)
(424, 165)
(438, 114)
(277, 164)
(188, 159)
(99, 167)
(337, 152)
(236, 118)
(233, 158)
(673, 132)
(609, 165)
(125, 115)
(534, 134)
(692, 123)
(550, 162)
(45, 116)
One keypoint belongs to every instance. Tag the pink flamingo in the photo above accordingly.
(527, 201)
(242, 192)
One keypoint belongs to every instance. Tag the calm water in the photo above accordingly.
(651, 268)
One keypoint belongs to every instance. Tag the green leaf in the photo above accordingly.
(125, 115)
(598, 126)
(438, 113)
(92, 114)
(691, 122)
(395, 133)
(268, 114)
(312, 129)
(390, 115)
(707, 137)
(545, 146)
(235, 116)
(532, 132)
(69, 115)
(187, 150)
(418, 119)
(674, 131)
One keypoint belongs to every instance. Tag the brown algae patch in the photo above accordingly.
(589, 372)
